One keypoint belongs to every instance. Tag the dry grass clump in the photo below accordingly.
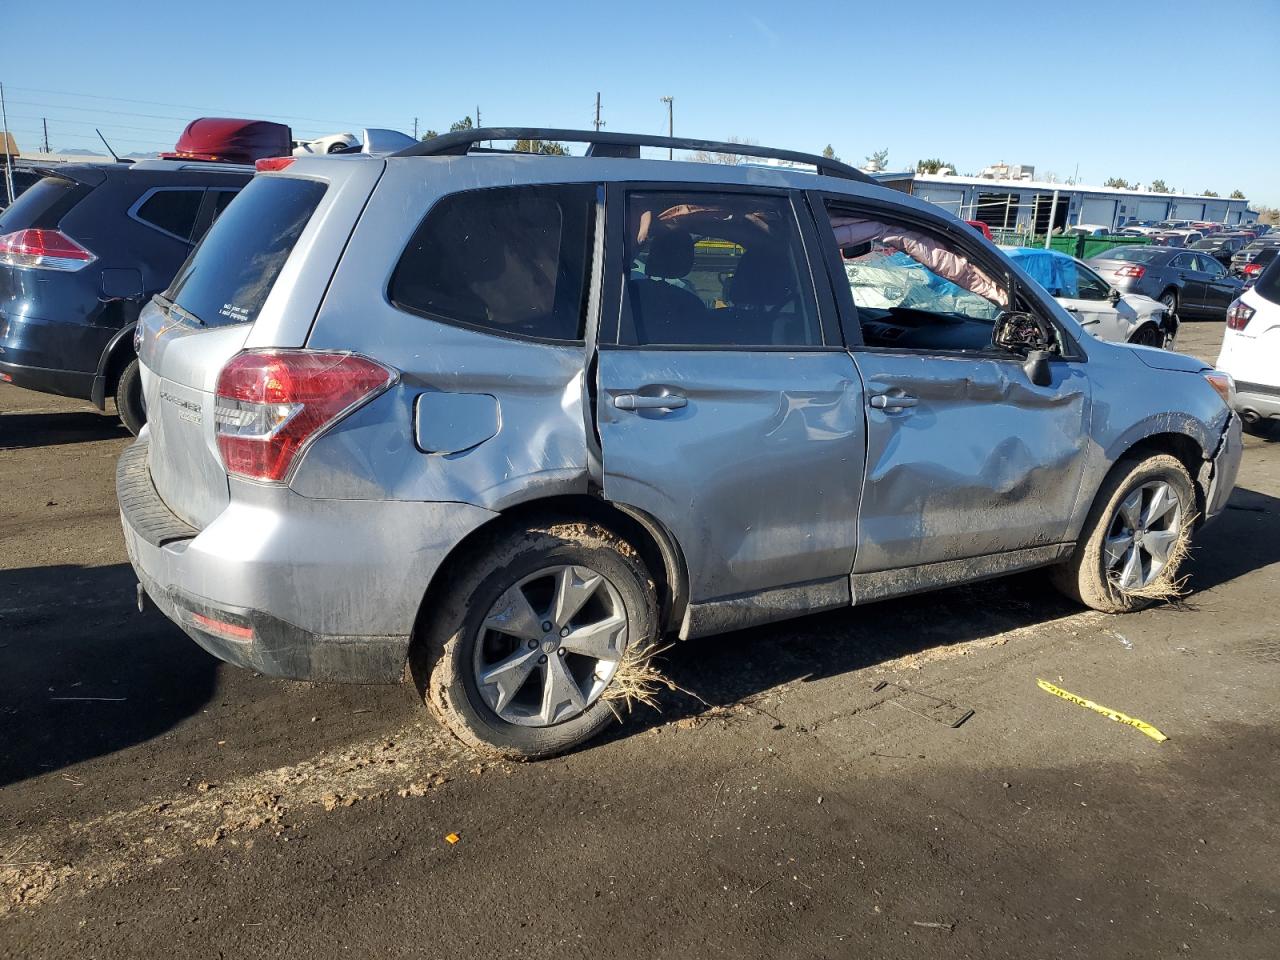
(639, 680)
(1170, 586)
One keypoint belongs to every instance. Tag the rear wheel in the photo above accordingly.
(1135, 538)
(1170, 300)
(519, 657)
(129, 398)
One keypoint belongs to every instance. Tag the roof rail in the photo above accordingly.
(601, 144)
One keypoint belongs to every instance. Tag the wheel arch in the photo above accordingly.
(1188, 450)
(115, 357)
(653, 541)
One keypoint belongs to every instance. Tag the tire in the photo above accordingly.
(129, 405)
(457, 641)
(1170, 300)
(1090, 575)
(1148, 335)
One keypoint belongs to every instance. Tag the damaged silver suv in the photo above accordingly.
(497, 421)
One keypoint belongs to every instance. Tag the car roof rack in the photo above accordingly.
(622, 145)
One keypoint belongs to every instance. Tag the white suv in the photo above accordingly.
(1251, 348)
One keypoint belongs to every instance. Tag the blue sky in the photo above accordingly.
(1135, 89)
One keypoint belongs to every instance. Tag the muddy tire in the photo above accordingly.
(516, 657)
(129, 406)
(1132, 543)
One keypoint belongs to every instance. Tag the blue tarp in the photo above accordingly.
(1054, 271)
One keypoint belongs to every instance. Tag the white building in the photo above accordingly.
(1020, 204)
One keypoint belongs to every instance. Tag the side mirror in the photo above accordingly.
(1037, 369)
(1020, 332)
(1114, 295)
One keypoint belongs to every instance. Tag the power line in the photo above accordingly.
(181, 106)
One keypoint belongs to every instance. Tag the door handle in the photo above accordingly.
(884, 401)
(636, 401)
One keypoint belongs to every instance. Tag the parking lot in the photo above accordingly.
(783, 805)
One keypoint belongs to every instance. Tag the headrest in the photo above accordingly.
(670, 255)
(762, 278)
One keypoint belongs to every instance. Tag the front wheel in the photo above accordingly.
(1148, 335)
(129, 398)
(521, 655)
(1135, 538)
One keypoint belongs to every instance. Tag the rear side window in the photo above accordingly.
(42, 205)
(228, 276)
(508, 260)
(1134, 254)
(1268, 284)
(173, 211)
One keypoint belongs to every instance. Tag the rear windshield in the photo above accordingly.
(1134, 254)
(42, 205)
(228, 276)
(1268, 284)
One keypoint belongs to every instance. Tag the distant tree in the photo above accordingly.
(1120, 183)
(1159, 186)
(730, 159)
(933, 165)
(547, 147)
(463, 124)
(1237, 194)
(878, 160)
(431, 134)
(829, 152)
(1208, 193)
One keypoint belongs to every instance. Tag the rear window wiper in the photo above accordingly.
(171, 309)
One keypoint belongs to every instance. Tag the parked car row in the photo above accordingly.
(502, 422)
(1188, 283)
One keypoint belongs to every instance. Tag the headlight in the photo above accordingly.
(1224, 385)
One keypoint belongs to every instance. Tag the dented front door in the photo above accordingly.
(966, 457)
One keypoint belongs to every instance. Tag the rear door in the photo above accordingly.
(1220, 289)
(966, 457)
(728, 407)
(1192, 281)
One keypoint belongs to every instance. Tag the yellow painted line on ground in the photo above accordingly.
(1115, 715)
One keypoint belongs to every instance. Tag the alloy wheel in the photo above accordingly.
(1142, 536)
(549, 645)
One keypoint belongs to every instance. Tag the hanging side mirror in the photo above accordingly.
(1114, 295)
(1020, 332)
(1036, 367)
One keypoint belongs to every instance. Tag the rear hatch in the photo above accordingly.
(42, 207)
(231, 281)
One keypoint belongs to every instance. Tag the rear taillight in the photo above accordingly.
(1251, 268)
(43, 250)
(272, 403)
(1132, 271)
(1239, 314)
(267, 164)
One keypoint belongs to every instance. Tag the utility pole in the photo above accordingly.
(8, 157)
(478, 123)
(599, 122)
(415, 128)
(671, 124)
(45, 123)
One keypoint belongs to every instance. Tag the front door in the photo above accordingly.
(728, 409)
(966, 457)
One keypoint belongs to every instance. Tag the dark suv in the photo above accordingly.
(80, 253)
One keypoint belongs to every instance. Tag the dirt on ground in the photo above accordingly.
(808, 798)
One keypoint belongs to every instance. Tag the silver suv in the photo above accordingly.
(497, 421)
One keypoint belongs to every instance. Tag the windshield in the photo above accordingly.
(228, 276)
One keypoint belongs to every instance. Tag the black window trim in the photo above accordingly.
(615, 299)
(589, 279)
(152, 191)
(970, 243)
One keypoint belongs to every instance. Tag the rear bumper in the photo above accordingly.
(66, 383)
(289, 586)
(1257, 398)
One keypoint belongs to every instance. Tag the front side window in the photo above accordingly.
(915, 289)
(173, 211)
(508, 260)
(717, 269)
